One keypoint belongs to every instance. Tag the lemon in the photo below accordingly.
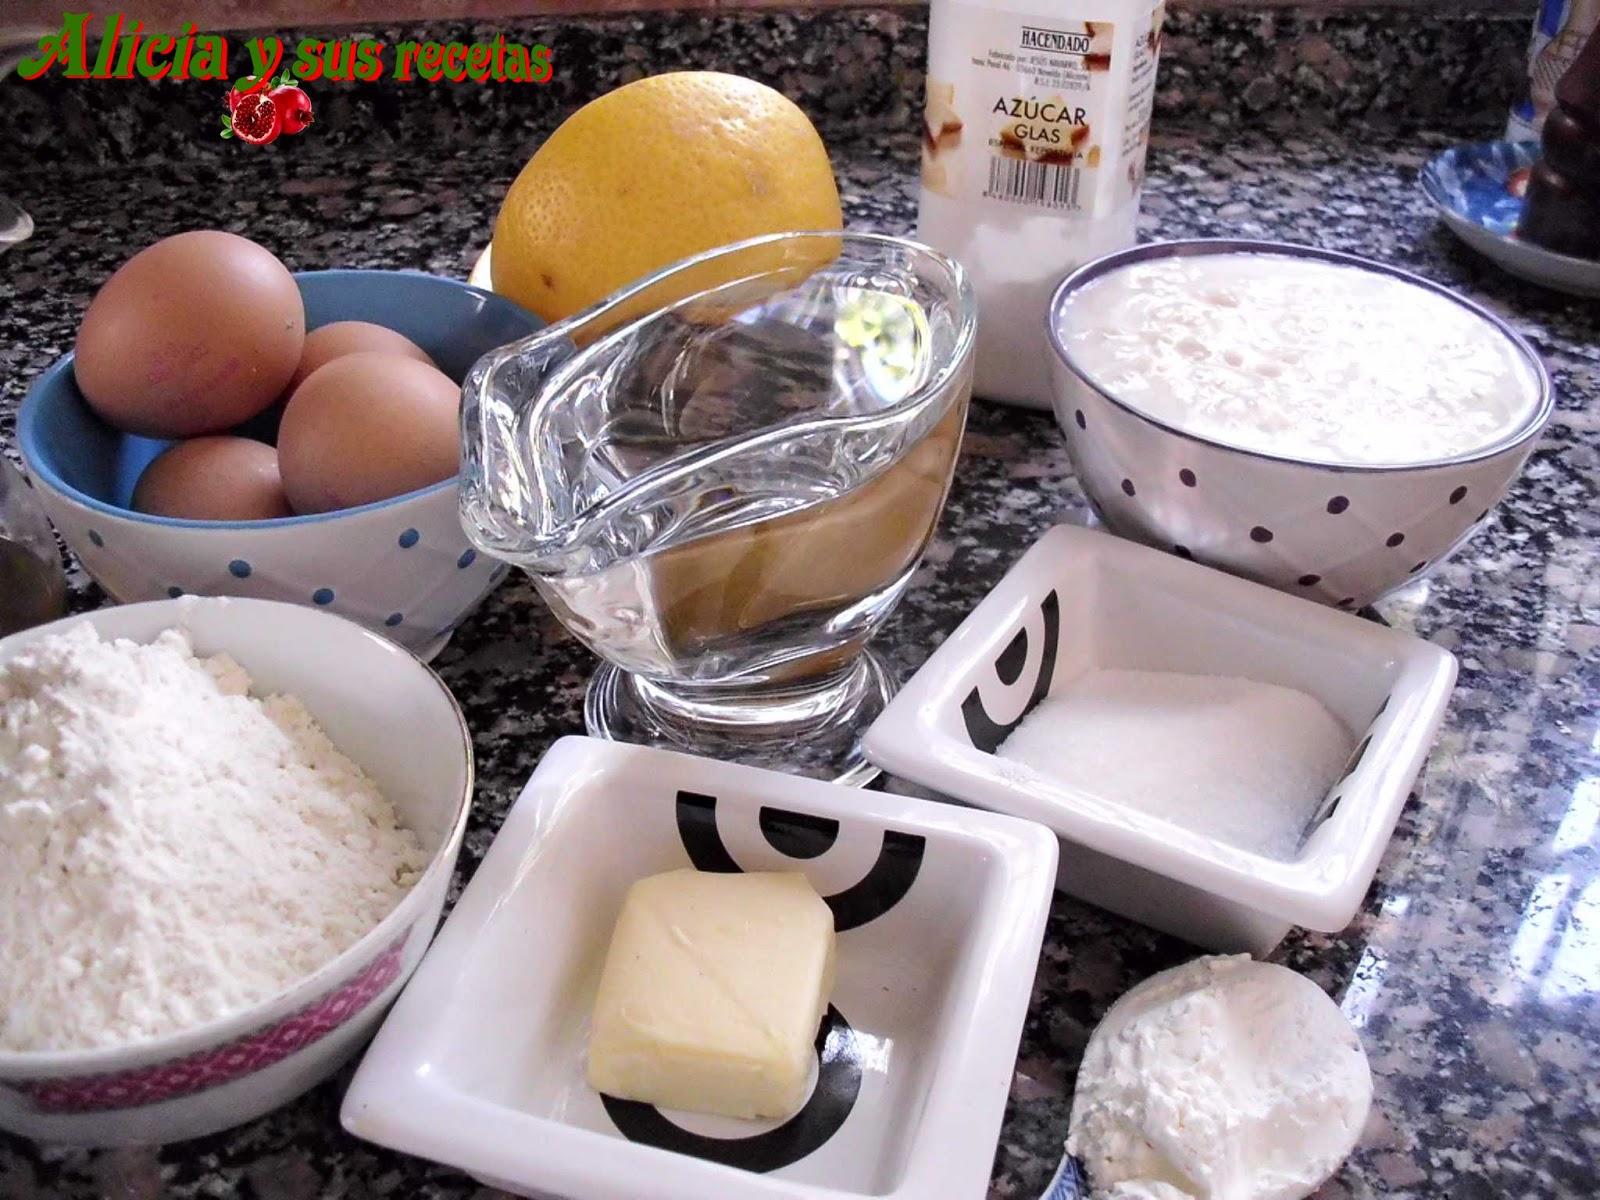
(653, 172)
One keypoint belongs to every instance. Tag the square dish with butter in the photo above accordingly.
(937, 915)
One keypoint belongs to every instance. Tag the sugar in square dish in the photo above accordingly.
(712, 993)
(1081, 603)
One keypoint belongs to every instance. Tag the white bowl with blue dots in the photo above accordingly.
(402, 567)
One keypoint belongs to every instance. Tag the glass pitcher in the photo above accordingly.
(722, 478)
(33, 588)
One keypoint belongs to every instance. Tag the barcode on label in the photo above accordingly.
(1054, 185)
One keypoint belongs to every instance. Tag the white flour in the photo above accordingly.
(171, 850)
(1222, 1079)
(1241, 761)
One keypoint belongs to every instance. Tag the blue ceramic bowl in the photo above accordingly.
(1474, 187)
(402, 567)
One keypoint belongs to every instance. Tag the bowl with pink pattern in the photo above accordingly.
(390, 714)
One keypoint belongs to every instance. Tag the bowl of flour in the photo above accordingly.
(226, 832)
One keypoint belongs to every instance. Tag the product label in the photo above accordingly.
(1560, 30)
(1141, 99)
(1029, 110)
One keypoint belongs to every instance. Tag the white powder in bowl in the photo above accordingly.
(172, 850)
(1300, 357)
(1222, 1079)
(1244, 762)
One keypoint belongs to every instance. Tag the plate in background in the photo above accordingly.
(1474, 186)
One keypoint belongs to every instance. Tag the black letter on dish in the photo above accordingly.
(799, 835)
(838, 1085)
(987, 733)
(875, 893)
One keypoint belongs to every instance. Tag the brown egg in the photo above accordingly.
(214, 479)
(366, 427)
(328, 342)
(191, 335)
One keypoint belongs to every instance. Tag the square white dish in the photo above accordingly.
(1080, 599)
(940, 913)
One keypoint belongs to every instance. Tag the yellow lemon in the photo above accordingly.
(653, 172)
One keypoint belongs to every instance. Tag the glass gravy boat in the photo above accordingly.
(722, 478)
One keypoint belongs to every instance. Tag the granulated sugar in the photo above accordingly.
(1246, 763)
(171, 849)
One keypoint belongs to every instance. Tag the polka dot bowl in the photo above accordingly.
(402, 567)
(1340, 534)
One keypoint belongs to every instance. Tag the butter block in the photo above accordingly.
(712, 993)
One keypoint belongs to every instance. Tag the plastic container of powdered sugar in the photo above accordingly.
(1035, 127)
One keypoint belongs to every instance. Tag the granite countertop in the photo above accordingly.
(1473, 970)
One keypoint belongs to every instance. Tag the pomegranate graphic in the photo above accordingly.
(261, 109)
(240, 90)
(256, 119)
(294, 107)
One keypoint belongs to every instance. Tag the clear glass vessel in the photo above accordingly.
(33, 588)
(722, 479)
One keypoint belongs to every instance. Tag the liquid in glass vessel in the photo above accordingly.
(722, 479)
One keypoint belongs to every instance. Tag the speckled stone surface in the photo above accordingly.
(1473, 970)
